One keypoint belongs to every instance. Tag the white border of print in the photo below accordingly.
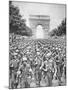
(4, 43)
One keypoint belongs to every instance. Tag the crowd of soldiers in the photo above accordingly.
(36, 63)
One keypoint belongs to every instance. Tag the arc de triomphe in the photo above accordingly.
(43, 20)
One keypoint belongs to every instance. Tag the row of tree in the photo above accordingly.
(16, 23)
(60, 30)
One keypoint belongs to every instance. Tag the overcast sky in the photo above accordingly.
(57, 12)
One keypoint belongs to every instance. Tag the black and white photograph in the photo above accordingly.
(37, 45)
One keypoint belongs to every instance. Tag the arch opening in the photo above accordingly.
(39, 32)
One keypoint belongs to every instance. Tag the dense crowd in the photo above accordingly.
(36, 63)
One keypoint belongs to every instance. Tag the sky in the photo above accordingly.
(57, 12)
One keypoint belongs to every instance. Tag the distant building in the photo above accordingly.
(43, 20)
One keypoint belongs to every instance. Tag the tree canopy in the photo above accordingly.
(60, 30)
(16, 23)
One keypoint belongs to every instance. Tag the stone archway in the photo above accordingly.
(39, 32)
(43, 20)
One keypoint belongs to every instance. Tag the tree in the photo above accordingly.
(53, 32)
(16, 23)
(63, 27)
(25, 32)
(60, 30)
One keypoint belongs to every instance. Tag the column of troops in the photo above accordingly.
(37, 63)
